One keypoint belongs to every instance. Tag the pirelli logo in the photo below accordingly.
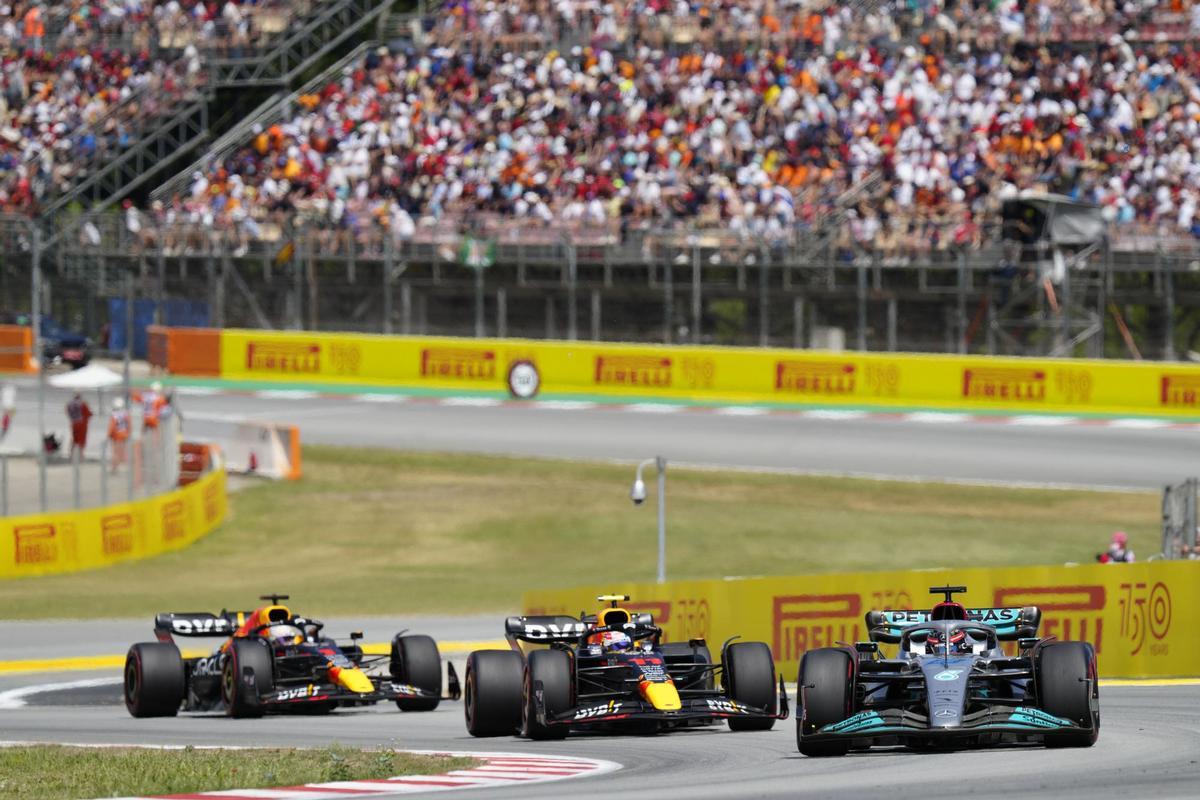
(806, 621)
(1004, 383)
(283, 357)
(173, 524)
(814, 377)
(463, 363)
(116, 534)
(633, 371)
(35, 544)
(1180, 391)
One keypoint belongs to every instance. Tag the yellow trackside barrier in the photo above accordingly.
(69, 541)
(719, 374)
(1142, 618)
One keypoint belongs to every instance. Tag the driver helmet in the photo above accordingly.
(958, 644)
(615, 640)
(285, 635)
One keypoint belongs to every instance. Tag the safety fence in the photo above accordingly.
(70, 541)
(1141, 618)
(715, 374)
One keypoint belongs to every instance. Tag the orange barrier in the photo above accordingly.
(16, 349)
(185, 351)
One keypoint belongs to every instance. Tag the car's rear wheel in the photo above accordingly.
(552, 668)
(154, 680)
(1066, 680)
(749, 672)
(826, 689)
(493, 693)
(247, 676)
(417, 662)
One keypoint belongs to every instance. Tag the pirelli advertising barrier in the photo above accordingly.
(1142, 618)
(70, 541)
(971, 383)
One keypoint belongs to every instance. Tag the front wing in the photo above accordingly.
(326, 692)
(899, 725)
(631, 708)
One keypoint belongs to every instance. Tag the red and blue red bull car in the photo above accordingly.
(273, 660)
(950, 684)
(611, 670)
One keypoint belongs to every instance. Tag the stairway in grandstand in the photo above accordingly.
(183, 124)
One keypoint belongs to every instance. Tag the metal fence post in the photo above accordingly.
(862, 306)
(697, 303)
(572, 289)
(1169, 303)
(36, 319)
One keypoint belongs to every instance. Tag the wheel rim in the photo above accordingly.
(227, 687)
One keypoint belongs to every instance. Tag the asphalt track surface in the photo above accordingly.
(1150, 741)
(938, 447)
(1149, 747)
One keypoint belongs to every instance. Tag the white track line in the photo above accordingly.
(742, 411)
(936, 417)
(286, 394)
(380, 398)
(564, 405)
(1037, 420)
(15, 698)
(653, 408)
(480, 402)
(834, 413)
(1139, 424)
(197, 391)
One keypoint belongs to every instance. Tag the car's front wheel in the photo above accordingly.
(417, 662)
(1067, 688)
(247, 676)
(552, 669)
(826, 688)
(749, 672)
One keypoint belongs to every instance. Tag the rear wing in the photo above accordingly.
(546, 629)
(1011, 624)
(199, 623)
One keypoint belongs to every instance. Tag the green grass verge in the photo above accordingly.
(376, 531)
(51, 772)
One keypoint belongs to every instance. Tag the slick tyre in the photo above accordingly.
(553, 669)
(1067, 688)
(826, 694)
(154, 680)
(493, 693)
(680, 654)
(750, 679)
(417, 662)
(249, 673)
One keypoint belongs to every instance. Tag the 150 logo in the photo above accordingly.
(1145, 610)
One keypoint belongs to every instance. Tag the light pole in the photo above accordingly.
(638, 495)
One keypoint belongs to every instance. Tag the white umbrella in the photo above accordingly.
(93, 376)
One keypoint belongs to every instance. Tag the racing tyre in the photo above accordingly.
(553, 669)
(247, 676)
(1067, 687)
(678, 654)
(417, 662)
(154, 680)
(750, 679)
(493, 692)
(826, 695)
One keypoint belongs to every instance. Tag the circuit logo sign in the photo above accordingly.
(283, 357)
(116, 534)
(815, 377)
(35, 544)
(464, 363)
(1004, 383)
(633, 371)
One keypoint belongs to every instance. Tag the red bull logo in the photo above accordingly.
(461, 363)
(806, 621)
(116, 534)
(283, 357)
(35, 544)
(1004, 383)
(814, 377)
(1180, 391)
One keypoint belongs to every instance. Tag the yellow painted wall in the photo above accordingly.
(1142, 618)
(69, 541)
(971, 383)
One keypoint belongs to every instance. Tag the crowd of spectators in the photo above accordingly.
(900, 123)
(905, 123)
